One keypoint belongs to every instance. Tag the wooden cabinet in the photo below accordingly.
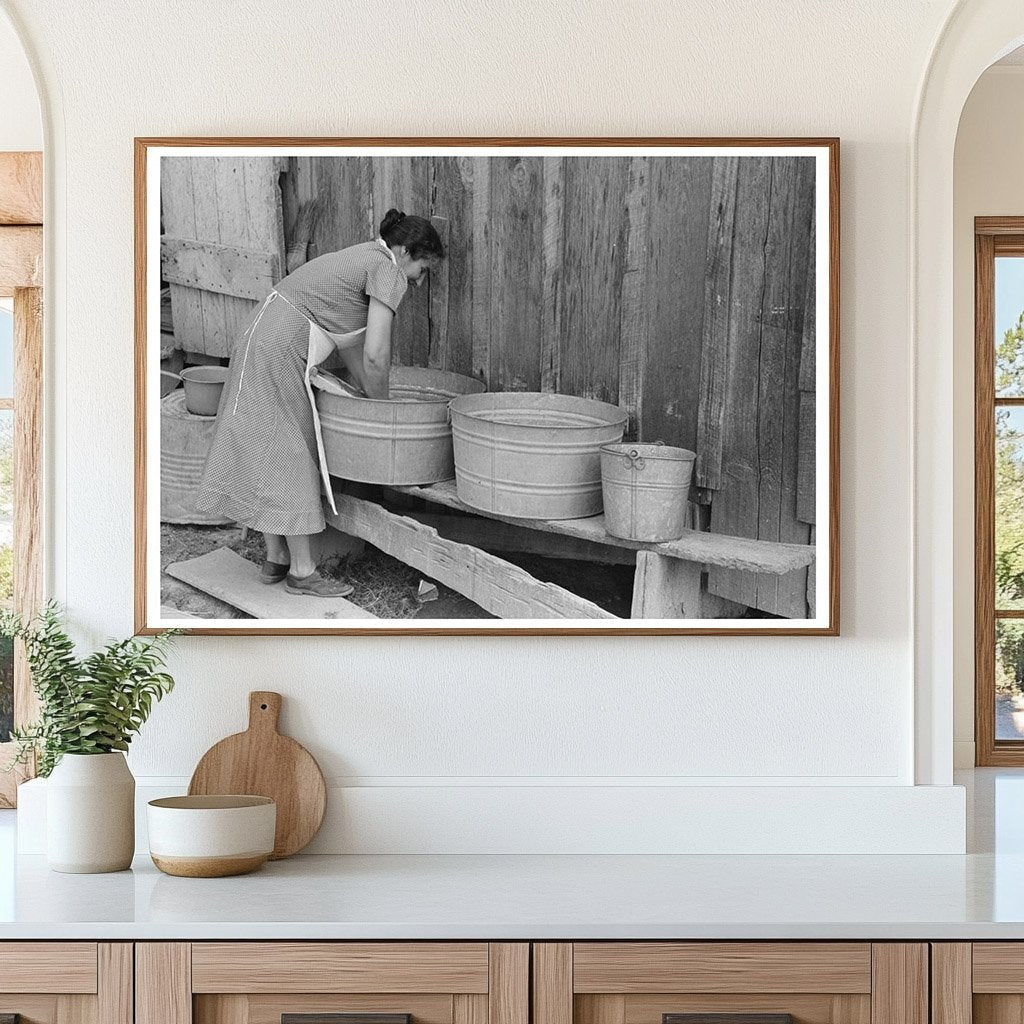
(754, 982)
(66, 982)
(977, 983)
(308, 982)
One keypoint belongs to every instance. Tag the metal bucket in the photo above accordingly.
(645, 490)
(185, 441)
(402, 441)
(532, 456)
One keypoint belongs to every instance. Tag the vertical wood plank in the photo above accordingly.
(516, 274)
(634, 326)
(469, 1009)
(680, 209)
(163, 983)
(984, 501)
(951, 997)
(209, 177)
(179, 221)
(452, 199)
(665, 587)
(899, 983)
(717, 309)
(508, 996)
(595, 194)
(438, 297)
(771, 260)
(349, 209)
(553, 273)
(789, 251)
(403, 182)
(115, 983)
(602, 1009)
(552, 983)
(482, 270)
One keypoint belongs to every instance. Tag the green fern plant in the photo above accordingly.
(90, 705)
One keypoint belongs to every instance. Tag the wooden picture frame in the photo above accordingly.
(599, 235)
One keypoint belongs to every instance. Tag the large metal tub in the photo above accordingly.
(403, 440)
(532, 456)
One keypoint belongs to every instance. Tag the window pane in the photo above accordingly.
(6, 566)
(1009, 679)
(1009, 574)
(6, 353)
(1009, 322)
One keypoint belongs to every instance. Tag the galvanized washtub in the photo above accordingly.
(532, 456)
(645, 489)
(401, 441)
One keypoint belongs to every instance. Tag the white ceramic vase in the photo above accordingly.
(90, 814)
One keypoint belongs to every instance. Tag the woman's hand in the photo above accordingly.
(377, 349)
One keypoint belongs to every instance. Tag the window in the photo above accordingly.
(999, 490)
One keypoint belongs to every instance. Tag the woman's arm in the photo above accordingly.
(377, 350)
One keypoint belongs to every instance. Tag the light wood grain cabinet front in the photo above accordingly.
(66, 982)
(332, 983)
(978, 983)
(730, 983)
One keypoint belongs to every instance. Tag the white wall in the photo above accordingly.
(987, 182)
(21, 127)
(433, 716)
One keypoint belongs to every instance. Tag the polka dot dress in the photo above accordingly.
(262, 470)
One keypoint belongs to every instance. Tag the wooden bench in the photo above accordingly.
(666, 584)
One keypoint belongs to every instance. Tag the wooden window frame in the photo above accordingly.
(21, 278)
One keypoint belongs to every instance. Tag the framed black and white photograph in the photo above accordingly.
(508, 386)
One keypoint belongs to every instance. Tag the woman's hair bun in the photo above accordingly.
(391, 220)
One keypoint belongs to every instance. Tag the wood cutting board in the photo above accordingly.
(262, 762)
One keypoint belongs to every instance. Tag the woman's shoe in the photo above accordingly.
(272, 572)
(316, 585)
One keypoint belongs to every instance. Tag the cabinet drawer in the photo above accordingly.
(730, 983)
(66, 982)
(65, 967)
(332, 983)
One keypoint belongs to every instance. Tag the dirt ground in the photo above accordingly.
(383, 585)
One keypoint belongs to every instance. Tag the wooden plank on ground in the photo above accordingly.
(741, 553)
(21, 188)
(235, 580)
(21, 258)
(680, 203)
(497, 586)
(227, 269)
(517, 210)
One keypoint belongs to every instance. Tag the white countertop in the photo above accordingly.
(517, 897)
(980, 895)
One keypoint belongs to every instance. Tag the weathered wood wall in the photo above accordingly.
(680, 289)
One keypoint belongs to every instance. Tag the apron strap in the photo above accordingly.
(250, 333)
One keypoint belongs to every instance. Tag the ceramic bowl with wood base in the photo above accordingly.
(211, 836)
